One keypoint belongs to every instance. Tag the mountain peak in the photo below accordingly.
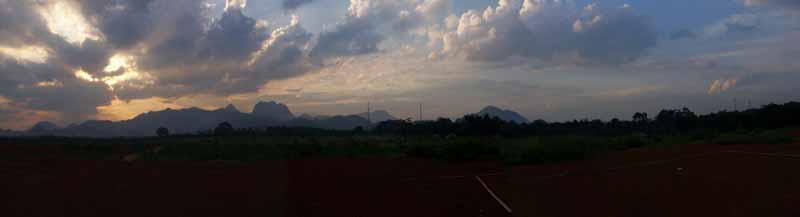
(231, 108)
(43, 126)
(506, 115)
(273, 110)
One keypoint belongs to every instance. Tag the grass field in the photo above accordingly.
(509, 150)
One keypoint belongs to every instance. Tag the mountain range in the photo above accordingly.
(192, 120)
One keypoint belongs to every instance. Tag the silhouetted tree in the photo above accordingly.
(640, 117)
(162, 132)
(224, 129)
(358, 130)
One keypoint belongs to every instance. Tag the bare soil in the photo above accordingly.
(696, 180)
(320, 187)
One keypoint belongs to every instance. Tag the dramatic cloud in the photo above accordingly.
(370, 22)
(42, 75)
(62, 59)
(294, 4)
(153, 48)
(550, 30)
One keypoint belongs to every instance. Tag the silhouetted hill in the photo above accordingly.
(193, 120)
(9, 133)
(343, 122)
(506, 115)
(42, 127)
(273, 110)
(377, 116)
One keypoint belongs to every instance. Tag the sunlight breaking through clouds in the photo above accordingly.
(64, 19)
(33, 54)
(235, 4)
(122, 67)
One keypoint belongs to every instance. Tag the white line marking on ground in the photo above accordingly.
(505, 206)
(766, 154)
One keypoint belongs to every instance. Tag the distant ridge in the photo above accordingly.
(506, 115)
(378, 116)
(193, 120)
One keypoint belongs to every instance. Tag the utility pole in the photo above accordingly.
(735, 104)
(369, 112)
(420, 111)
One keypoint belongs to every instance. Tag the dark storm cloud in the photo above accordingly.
(197, 55)
(52, 85)
(75, 98)
(123, 22)
(351, 38)
(234, 36)
(294, 4)
(91, 56)
(620, 36)
(366, 25)
(20, 23)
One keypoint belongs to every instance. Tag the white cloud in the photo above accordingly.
(550, 30)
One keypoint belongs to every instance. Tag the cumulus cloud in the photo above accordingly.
(550, 30)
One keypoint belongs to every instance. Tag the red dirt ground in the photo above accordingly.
(322, 187)
(697, 180)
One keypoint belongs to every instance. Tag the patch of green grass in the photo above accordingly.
(512, 150)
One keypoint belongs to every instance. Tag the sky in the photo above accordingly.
(68, 61)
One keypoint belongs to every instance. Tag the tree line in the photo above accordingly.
(667, 121)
